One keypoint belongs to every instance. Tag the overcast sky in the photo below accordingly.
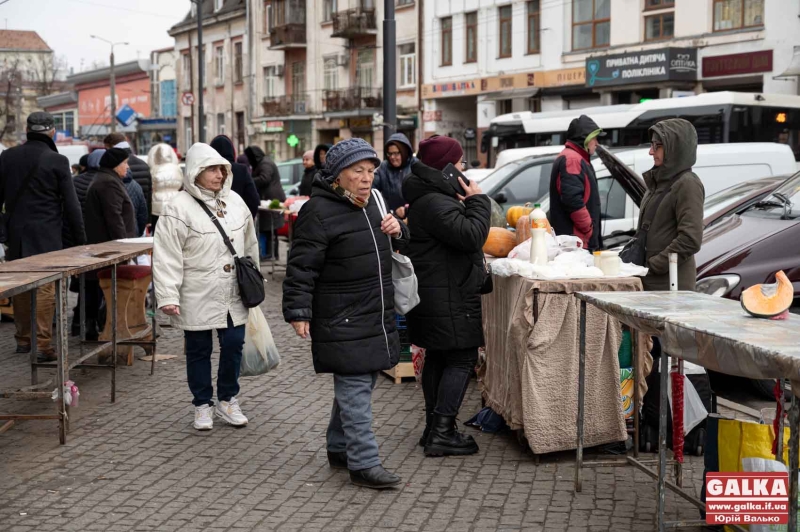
(66, 26)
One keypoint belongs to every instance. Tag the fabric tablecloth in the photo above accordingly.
(530, 376)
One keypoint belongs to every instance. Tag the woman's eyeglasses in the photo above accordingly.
(655, 145)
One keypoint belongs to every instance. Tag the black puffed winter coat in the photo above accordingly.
(140, 172)
(339, 278)
(268, 182)
(446, 248)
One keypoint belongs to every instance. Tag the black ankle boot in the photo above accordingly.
(337, 460)
(375, 477)
(445, 440)
(428, 423)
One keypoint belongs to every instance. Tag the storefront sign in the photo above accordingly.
(272, 127)
(361, 123)
(554, 78)
(564, 78)
(470, 133)
(735, 64)
(663, 64)
(407, 123)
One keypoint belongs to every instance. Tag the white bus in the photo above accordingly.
(719, 117)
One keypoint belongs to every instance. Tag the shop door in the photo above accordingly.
(240, 132)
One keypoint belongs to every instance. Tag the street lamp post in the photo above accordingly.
(201, 133)
(113, 81)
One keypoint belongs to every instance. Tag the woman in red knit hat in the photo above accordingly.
(448, 231)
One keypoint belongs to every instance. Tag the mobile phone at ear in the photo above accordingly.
(451, 175)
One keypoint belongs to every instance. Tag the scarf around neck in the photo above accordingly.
(356, 200)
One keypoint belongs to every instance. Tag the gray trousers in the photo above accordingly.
(350, 428)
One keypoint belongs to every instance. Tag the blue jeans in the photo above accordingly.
(199, 345)
(350, 427)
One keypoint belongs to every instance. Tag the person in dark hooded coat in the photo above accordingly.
(243, 183)
(338, 289)
(309, 171)
(397, 166)
(447, 237)
(574, 196)
(268, 183)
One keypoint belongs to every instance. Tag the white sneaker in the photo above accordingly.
(203, 419)
(231, 412)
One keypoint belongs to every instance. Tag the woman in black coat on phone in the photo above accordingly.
(448, 231)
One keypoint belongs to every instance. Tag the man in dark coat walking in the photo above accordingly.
(243, 183)
(448, 232)
(37, 211)
(268, 183)
(139, 170)
(574, 196)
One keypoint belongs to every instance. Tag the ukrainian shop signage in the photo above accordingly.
(734, 64)
(663, 64)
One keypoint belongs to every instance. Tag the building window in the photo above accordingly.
(405, 2)
(447, 41)
(534, 26)
(365, 69)
(329, 8)
(186, 61)
(331, 78)
(591, 24)
(169, 99)
(659, 27)
(408, 65)
(69, 123)
(298, 79)
(220, 123)
(218, 5)
(219, 61)
(238, 63)
(270, 81)
(658, 4)
(505, 31)
(267, 17)
(735, 14)
(471, 20)
(504, 107)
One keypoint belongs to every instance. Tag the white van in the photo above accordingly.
(73, 152)
(718, 166)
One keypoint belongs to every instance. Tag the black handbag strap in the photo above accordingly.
(21, 191)
(219, 226)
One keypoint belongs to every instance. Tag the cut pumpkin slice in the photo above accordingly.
(769, 300)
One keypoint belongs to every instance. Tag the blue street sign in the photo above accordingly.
(126, 115)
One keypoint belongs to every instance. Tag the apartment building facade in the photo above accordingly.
(326, 83)
(484, 58)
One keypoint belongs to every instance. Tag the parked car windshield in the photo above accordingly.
(491, 184)
(723, 199)
(785, 201)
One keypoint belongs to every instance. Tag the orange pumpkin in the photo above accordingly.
(523, 229)
(769, 300)
(515, 213)
(500, 242)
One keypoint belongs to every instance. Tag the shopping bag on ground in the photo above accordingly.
(260, 354)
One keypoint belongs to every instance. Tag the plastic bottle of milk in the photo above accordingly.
(538, 217)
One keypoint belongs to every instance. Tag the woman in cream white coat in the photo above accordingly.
(196, 283)
(167, 177)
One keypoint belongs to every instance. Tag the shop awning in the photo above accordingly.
(793, 70)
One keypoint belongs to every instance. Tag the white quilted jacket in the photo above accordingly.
(167, 176)
(190, 257)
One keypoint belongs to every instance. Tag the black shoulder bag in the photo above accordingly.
(249, 278)
(635, 251)
(6, 218)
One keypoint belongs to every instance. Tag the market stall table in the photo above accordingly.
(13, 284)
(78, 261)
(531, 372)
(290, 218)
(714, 333)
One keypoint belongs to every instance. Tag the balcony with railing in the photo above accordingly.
(287, 105)
(355, 99)
(288, 28)
(354, 23)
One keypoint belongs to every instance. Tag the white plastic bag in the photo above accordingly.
(694, 411)
(260, 354)
(762, 465)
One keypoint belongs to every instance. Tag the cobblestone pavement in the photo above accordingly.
(138, 464)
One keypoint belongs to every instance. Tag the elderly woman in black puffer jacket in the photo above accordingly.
(338, 290)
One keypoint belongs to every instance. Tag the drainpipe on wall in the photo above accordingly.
(420, 67)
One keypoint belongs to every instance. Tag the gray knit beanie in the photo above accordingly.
(347, 153)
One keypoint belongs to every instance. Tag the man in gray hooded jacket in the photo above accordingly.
(677, 225)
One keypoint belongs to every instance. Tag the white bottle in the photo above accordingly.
(539, 246)
(538, 218)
